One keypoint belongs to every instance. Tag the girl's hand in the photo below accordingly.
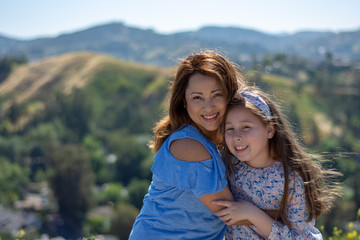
(237, 211)
(234, 211)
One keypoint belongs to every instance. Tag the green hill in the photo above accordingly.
(105, 80)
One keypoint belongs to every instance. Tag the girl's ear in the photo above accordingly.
(270, 130)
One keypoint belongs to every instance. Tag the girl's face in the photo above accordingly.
(247, 137)
(205, 102)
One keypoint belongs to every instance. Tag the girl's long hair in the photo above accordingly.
(286, 147)
(208, 63)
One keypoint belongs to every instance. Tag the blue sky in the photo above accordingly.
(33, 18)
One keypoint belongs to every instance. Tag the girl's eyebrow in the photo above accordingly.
(243, 121)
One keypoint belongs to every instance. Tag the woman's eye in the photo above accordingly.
(197, 98)
(218, 95)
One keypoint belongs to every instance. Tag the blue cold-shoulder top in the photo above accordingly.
(171, 208)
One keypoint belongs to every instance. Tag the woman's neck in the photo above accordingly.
(213, 136)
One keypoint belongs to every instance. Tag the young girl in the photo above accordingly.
(269, 169)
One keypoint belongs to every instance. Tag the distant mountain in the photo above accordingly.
(149, 47)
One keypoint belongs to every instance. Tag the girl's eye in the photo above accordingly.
(245, 127)
(229, 129)
(218, 95)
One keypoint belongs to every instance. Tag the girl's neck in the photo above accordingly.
(261, 164)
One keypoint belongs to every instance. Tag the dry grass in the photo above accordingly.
(62, 73)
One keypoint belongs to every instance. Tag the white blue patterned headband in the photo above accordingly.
(258, 101)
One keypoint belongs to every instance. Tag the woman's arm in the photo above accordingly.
(225, 194)
(190, 150)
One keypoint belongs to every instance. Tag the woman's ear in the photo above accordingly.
(270, 130)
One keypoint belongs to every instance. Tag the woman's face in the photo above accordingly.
(205, 102)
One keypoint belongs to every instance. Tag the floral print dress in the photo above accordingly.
(264, 188)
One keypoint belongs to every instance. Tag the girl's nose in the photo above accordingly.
(238, 135)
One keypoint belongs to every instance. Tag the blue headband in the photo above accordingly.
(258, 101)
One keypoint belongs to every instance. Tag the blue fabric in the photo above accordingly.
(171, 208)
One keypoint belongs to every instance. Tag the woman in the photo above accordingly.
(188, 173)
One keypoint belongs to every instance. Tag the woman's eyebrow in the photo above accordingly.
(216, 90)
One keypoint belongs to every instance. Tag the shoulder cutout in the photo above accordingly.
(188, 149)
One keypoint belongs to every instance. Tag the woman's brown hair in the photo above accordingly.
(286, 147)
(208, 63)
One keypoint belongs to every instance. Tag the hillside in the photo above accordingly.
(37, 86)
(63, 73)
(147, 46)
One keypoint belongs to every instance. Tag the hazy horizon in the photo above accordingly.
(24, 19)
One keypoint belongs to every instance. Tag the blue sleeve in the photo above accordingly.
(208, 176)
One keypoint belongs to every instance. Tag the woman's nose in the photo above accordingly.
(208, 104)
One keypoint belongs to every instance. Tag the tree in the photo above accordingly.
(13, 178)
(112, 192)
(12, 147)
(123, 220)
(130, 152)
(72, 181)
(76, 111)
(137, 190)
(39, 140)
(98, 163)
(14, 112)
(7, 63)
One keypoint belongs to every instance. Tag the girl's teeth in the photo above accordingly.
(240, 148)
(210, 117)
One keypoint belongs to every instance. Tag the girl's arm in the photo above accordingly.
(297, 215)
